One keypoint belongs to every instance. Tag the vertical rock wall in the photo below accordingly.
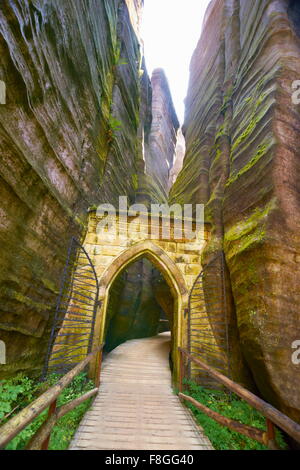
(179, 157)
(163, 133)
(71, 136)
(242, 161)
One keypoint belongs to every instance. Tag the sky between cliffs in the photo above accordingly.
(171, 30)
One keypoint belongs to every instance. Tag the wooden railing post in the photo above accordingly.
(271, 435)
(181, 371)
(98, 368)
(51, 412)
(274, 417)
(40, 437)
(19, 422)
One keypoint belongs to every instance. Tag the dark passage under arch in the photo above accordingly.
(140, 304)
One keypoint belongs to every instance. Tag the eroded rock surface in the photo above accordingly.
(163, 133)
(79, 106)
(179, 157)
(242, 162)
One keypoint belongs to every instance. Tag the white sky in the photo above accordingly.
(171, 30)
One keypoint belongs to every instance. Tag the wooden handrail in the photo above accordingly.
(272, 414)
(36, 442)
(249, 431)
(16, 424)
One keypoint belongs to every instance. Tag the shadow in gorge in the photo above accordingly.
(141, 305)
(294, 14)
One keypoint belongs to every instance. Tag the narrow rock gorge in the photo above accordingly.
(84, 124)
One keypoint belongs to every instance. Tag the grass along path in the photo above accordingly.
(232, 407)
(18, 392)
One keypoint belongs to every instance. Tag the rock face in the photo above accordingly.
(242, 162)
(79, 108)
(84, 124)
(163, 133)
(179, 157)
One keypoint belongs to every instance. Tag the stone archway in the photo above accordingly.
(173, 277)
(159, 258)
(113, 248)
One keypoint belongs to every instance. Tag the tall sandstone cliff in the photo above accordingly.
(73, 134)
(243, 163)
(163, 133)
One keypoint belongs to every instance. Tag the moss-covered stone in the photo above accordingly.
(242, 161)
(78, 113)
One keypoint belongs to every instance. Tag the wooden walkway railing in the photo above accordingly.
(49, 398)
(272, 415)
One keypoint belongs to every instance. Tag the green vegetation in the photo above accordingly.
(135, 181)
(250, 231)
(227, 99)
(113, 126)
(220, 133)
(13, 393)
(122, 62)
(18, 392)
(253, 101)
(232, 407)
(261, 152)
(251, 126)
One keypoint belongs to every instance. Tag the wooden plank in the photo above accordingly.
(16, 424)
(274, 415)
(136, 407)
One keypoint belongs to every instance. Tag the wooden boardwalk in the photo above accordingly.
(136, 408)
